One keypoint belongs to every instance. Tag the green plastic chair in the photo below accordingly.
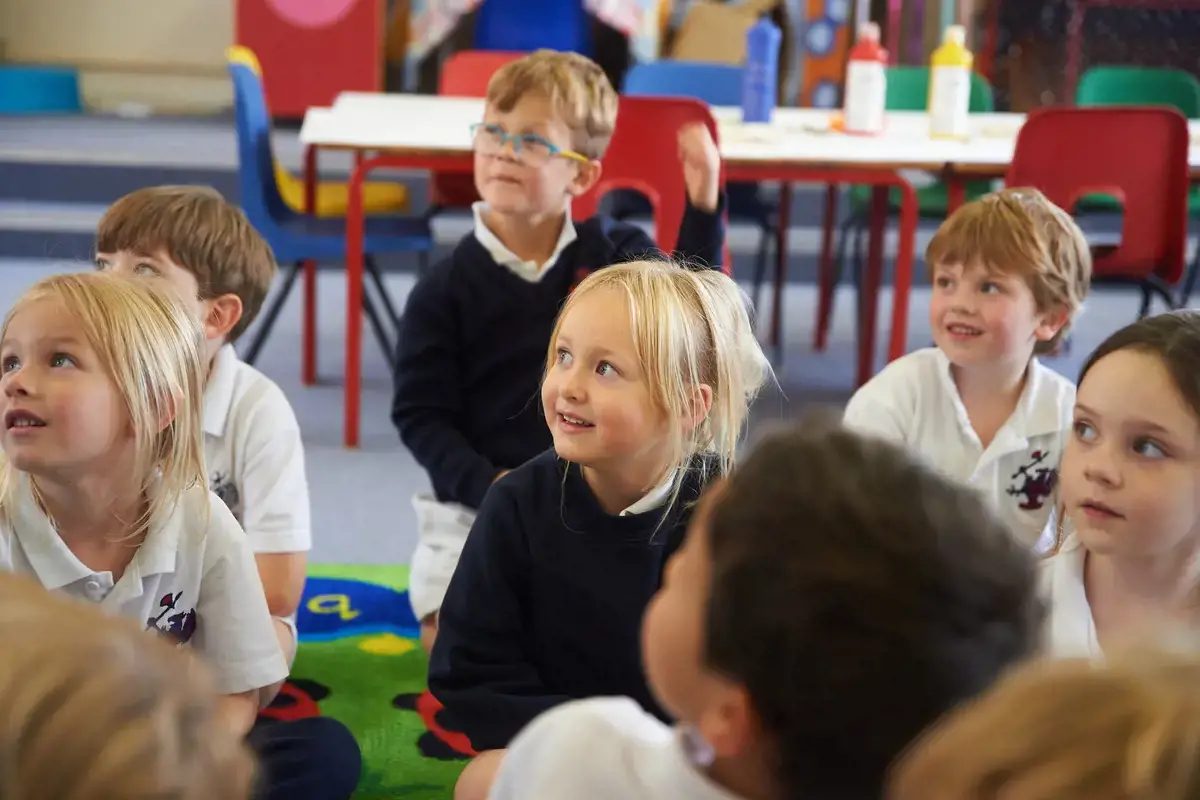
(1120, 85)
(908, 90)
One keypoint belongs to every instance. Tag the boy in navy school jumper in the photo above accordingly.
(649, 376)
(475, 329)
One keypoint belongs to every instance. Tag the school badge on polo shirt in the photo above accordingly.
(173, 622)
(224, 487)
(1033, 483)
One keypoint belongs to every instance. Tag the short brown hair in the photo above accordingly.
(575, 85)
(1068, 730)
(200, 231)
(96, 707)
(1018, 231)
(857, 596)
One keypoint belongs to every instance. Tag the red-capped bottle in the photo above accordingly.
(866, 84)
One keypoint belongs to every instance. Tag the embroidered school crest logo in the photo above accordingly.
(224, 487)
(1033, 483)
(173, 622)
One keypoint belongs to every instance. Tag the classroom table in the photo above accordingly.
(798, 145)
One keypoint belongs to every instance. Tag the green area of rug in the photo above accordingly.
(360, 662)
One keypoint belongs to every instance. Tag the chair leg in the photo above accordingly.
(377, 327)
(272, 313)
(766, 235)
(385, 297)
(1189, 280)
(825, 268)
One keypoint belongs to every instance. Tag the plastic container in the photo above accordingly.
(760, 81)
(866, 84)
(27, 89)
(950, 86)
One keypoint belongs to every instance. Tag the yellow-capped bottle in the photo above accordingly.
(950, 86)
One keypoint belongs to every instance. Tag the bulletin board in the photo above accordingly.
(311, 50)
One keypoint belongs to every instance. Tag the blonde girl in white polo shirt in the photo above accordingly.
(92, 708)
(1128, 550)
(102, 484)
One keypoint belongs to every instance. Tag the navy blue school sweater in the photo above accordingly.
(472, 350)
(547, 600)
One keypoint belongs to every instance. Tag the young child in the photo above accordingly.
(649, 375)
(1068, 730)
(103, 497)
(802, 636)
(91, 708)
(1010, 271)
(1130, 538)
(191, 239)
(476, 327)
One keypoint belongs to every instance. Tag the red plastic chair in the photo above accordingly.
(1138, 154)
(643, 156)
(464, 74)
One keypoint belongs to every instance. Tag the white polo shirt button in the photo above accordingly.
(94, 590)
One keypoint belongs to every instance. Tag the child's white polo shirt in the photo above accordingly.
(1070, 629)
(605, 747)
(915, 403)
(193, 579)
(255, 455)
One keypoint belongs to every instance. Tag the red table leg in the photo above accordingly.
(308, 325)
(825, 287)
(869, 287)
(355, 236)
(902, 278)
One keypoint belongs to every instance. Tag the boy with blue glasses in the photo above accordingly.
(473, 341)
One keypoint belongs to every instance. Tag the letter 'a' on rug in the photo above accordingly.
(360, 662)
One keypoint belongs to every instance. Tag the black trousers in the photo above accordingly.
(316, 758)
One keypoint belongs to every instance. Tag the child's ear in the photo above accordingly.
(729, 726)
(222, 314)
(700, 406)
(586, 176)
(1050, 323)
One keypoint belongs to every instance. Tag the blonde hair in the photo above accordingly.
(200, 231)
(151, 348)
(93, 707)
(576, 87)
(689, 327)
(1019, 232)
(1068, 730)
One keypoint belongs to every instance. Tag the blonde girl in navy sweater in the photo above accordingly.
(650, 373)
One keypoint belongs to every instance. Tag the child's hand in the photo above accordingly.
(701, 163)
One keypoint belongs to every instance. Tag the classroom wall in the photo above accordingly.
(167, 54)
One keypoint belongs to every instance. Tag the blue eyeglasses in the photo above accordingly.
(490, 140)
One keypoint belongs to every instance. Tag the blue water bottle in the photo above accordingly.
(760, 81)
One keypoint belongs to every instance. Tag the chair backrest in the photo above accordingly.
(1137, 154)
(908, 90)
(1118, 86)
(643, 156)
(464, 74)
(715, 84)
(533, 25)
(256, 167)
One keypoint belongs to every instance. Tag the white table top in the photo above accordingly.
(432, 124)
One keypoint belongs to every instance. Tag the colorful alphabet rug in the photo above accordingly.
(360, 662)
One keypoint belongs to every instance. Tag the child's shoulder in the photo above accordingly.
(203, 521)
(239, 395)
(1050, 389)
(544, 471)
(604, 737)
(903, 384)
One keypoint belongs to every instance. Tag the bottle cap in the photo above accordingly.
(868, 32)
(955, 34)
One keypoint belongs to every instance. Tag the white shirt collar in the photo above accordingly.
(526, 270)
(1037, 412)
(655, 498)
(218, 390)
(56, 566)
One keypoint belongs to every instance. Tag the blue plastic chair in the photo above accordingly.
(526, 25)
(717, 85)
(295, 237)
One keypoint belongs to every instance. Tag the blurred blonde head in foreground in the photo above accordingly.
(1067, 730)
(94, 708)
